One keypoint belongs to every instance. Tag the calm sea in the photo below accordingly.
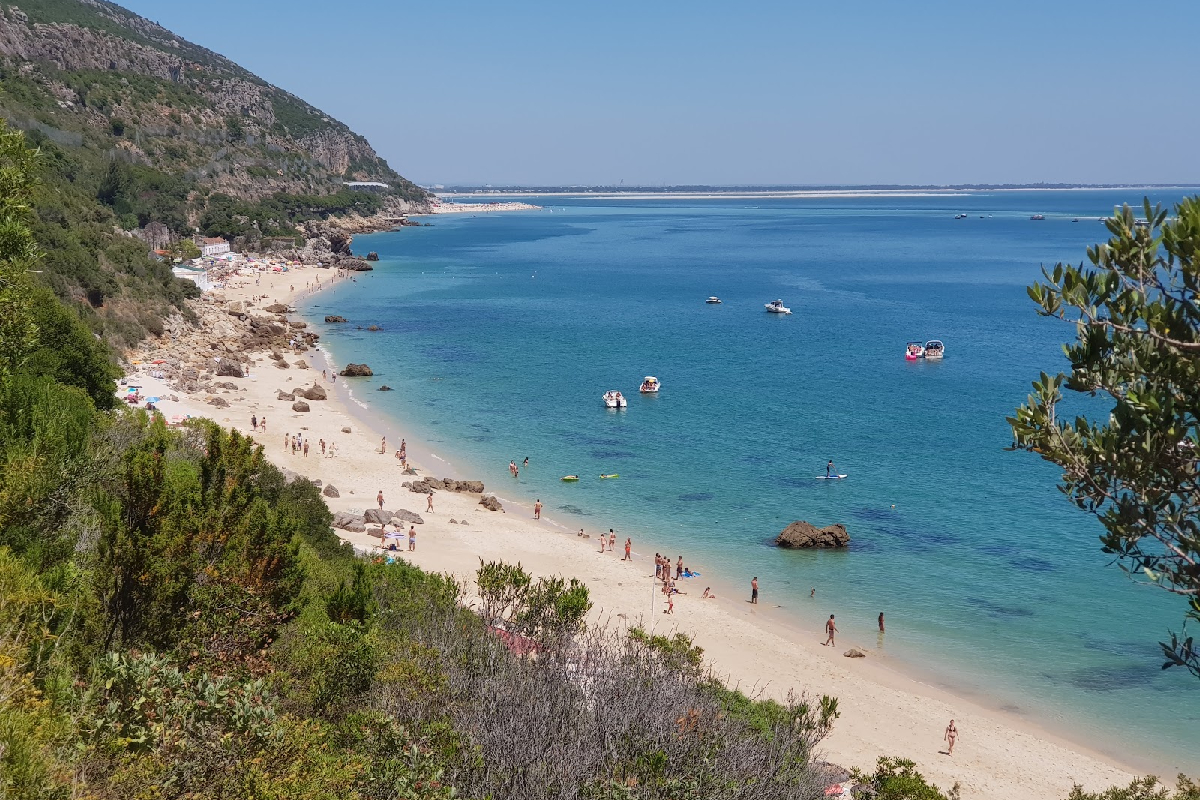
(500, 333)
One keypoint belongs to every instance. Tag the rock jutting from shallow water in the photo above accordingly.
(372, 256)
(356, 371)
(384, 388)
(801, 534)
(490, 503)
(333, 318)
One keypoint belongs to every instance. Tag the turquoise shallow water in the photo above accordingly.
(501, 332)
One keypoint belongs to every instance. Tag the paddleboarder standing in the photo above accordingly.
(829, 469)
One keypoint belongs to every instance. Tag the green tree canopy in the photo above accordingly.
(1138, 344)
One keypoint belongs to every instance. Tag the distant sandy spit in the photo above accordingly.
(999, 755)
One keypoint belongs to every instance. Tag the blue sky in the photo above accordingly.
(719, 93)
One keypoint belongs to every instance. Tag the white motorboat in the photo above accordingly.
(914, 351)
(614, 399)
(650, 385)
(777, 307)
(934, 349)
(713, 301)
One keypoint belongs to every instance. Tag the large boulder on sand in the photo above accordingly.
(230, 369)
(317, 392)
(376, 516)
(276, 308)
(331, 491)
(801, 534)
(343, 519)
(401, 516)
(490, 503)
(280, 394)
(855, 652)
(357, 371)
(300, 405)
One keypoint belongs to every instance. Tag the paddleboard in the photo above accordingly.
(614, 475)
(570, 478)
(830, 477)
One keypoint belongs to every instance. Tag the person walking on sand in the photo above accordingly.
(287, 441)
(383, 445)
(403, 450)
(670, 604)
(429, 503)
(612, 541)
(754, 591)
(253, 422)
(322, 447)
(412, 537)
(262, 424)
(881, 622)
(950, 736)
(679, 568)
(537, 509)
(306, 448)
(657, 566)
(628, 547)
(603, 539)
(379, 499)
(831, 629)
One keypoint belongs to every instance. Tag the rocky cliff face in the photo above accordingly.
(88, 69)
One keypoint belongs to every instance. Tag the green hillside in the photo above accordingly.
(137, 126)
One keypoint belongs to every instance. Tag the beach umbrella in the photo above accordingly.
(152, 400)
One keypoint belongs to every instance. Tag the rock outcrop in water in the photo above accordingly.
(801, 534)
(356, 371)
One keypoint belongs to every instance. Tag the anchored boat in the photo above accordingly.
(777, 307)
(650, 385)
(614, 399)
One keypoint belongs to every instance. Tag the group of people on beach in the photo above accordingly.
(300, 445)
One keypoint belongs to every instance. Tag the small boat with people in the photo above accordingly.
(650, 385)
(713, 301)
(614, 399)
(777, 307)
(1038, 217)
(914, 351)
(569, 478)
(934, 349)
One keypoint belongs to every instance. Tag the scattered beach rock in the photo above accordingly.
(225, 385)
(346, 429)
(384, 388)
(490, 503)
(276, 308)
(282, 395)
(401, 516)
(357, 371)
(331, 491)
(219, 402)
(453, 521)
(343, 518)
(235, 308)
(281, 364)
(801, 534)
(300, 405)
(298, 324)
(318, 483)
(376, 515)
(289, 476)
(316, 392)
(372, 256)
(332, 318)
(855, 652)
(302, 364)
(230, 369)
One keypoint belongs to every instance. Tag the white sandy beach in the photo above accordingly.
(999, 756)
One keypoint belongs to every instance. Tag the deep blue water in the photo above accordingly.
(501, 332)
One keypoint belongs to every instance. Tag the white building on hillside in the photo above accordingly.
(213, 247)
(197, 275)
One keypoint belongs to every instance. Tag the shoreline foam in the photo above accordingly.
(884, 710)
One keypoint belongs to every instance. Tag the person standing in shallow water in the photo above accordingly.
(881, 622)
(537, 509)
